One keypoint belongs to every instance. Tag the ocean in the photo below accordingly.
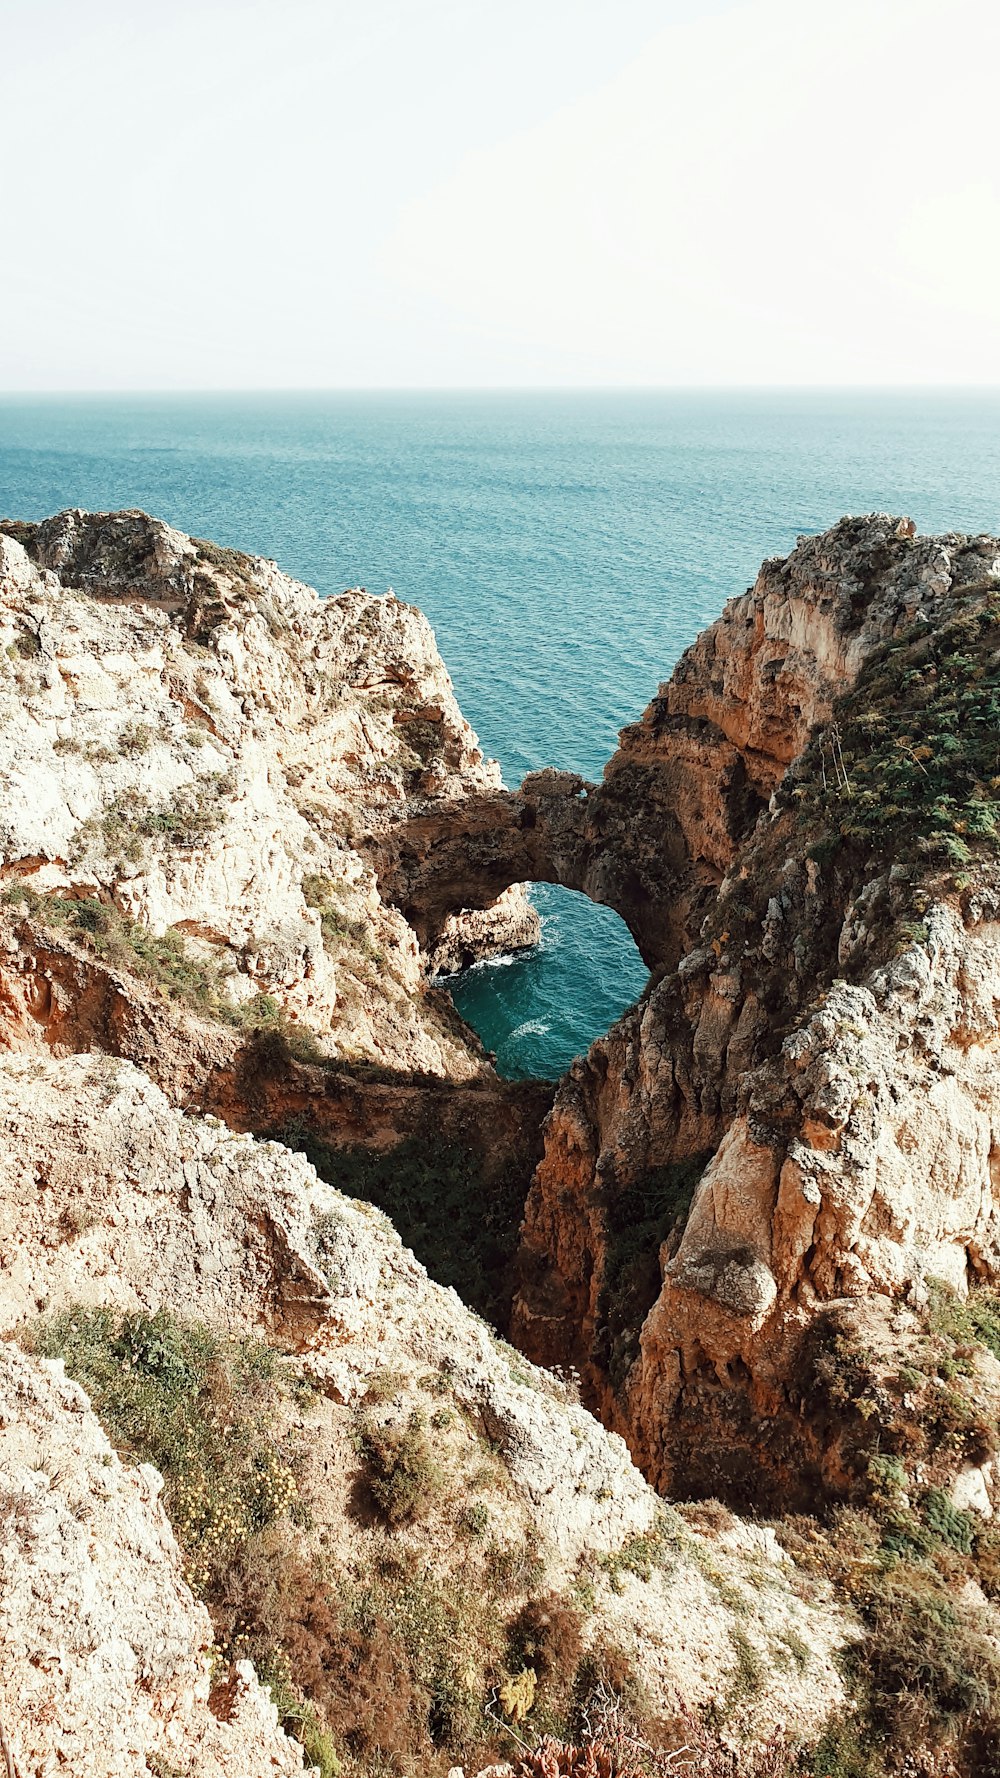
(565, 546)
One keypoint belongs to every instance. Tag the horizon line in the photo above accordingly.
(341, 389)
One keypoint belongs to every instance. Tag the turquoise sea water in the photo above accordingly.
(566, 548)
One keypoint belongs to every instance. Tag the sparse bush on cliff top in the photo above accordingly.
(912, 761)
(234, 562)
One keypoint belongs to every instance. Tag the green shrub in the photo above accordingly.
(298, 1716)
(949, 1523)
(135, 737)
(475, 1518)
(197, 1404)
(402, 1477)
(844, 1750)
(904, 1534)
(239, 567)
(974, 1318)
(512, 1568)
(25, 646)
(384, 1385)
(643, 1552)
(750, 1672)
(911, 763)
(925, 1665)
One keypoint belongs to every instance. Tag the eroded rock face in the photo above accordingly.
(202, 742)
(799, 1118)
(840, 1102)
(105, 1657)
(114, 1198)
(689, 781)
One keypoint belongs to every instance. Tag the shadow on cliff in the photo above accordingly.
(448, 1162)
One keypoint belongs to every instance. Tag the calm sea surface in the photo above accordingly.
(566, 549)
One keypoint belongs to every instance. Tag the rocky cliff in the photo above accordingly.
(200, 745)
(242, 829)
(424, 1468)
(818, 1049)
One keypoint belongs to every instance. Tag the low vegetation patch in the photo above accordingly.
(232, 562)
(198, 1405)
(911, 764)
(127, 826)
(166, 963)
(922, 1408)
(911, 1412)
(928, 1668)
(340, 929)
(207, 1409)
(383, 1667)
(124, 944)
(401, 1473)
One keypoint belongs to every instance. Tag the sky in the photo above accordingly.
(297, 194)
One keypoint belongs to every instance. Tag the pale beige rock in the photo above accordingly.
(970, 1491)
(479, 935)
(104, 1654)
(146, 681)
(112, 1196)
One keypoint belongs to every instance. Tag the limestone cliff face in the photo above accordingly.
(240, 827)
(112, 1199)
(201, 743)
(818, 1046)
(105, 1658)
(684, 791)
(204, 771)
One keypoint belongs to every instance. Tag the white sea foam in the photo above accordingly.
(501, 962)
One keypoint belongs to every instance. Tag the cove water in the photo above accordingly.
(566, 548)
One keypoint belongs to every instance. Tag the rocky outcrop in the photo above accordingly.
(105, 1658)
(111, 1198)
(819, 1044)
(201, 743)
(509, 924)
(689, 781)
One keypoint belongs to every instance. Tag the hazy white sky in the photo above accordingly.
(331, 193)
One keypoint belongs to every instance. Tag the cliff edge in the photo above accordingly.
(241, 829)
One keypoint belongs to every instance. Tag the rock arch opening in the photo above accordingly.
(538, 1009)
